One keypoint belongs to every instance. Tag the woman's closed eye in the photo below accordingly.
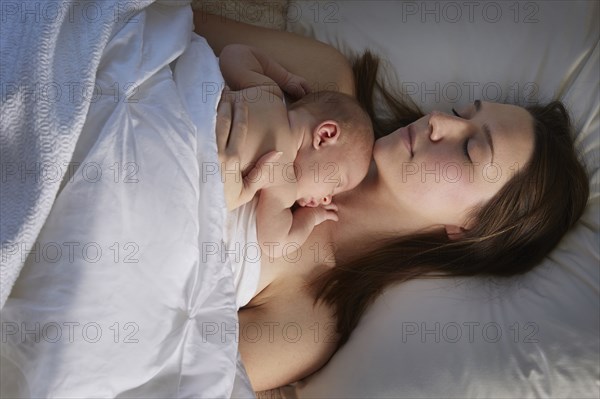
(466, 143)
(466, 150)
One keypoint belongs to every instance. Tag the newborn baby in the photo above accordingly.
(324, 142)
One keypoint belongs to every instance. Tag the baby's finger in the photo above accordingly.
(225, 96)
(330, 207)
(239, 129)
(229, 95)
(299, 90)
(223, 125)
(305, 86)
(322, 215)
(330, 215)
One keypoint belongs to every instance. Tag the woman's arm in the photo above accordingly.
(321, 65)
(285, 340)
(231, 134)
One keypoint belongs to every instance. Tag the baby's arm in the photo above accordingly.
(277, 225)
(245, 67)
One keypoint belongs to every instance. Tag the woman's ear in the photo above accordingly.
(454, 232)
(326, 133)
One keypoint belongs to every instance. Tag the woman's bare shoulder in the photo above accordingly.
(284, 335)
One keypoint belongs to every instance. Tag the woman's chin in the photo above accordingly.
(387, 150)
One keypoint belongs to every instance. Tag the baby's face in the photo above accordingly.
(328, 174)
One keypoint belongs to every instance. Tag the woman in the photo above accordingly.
(474, 192)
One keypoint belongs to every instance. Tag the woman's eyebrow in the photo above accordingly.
(486, 129)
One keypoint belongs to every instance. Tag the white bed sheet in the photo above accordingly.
(126, 293)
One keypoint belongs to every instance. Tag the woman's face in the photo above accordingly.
(441, 166)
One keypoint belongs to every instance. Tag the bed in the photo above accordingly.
(127, 309)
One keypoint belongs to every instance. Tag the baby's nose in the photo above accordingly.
(326, 200)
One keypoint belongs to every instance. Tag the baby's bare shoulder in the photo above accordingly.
(268, 127)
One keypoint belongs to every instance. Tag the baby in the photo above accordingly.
(325, 140)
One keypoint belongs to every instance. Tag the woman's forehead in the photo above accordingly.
(511, 130)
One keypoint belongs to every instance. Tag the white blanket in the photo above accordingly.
(50, 54)
(126, 292)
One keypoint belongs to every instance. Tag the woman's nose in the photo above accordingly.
(443, 125)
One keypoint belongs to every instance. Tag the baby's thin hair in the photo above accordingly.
(346, 111)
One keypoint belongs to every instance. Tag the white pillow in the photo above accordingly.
(529, 336)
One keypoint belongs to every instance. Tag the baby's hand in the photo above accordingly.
(321, 213)
(296, 86)
(326, 212)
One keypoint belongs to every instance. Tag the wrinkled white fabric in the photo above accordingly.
(125, 293)
(243, 251)
(50, 54)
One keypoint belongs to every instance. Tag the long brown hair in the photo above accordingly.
(512, 233)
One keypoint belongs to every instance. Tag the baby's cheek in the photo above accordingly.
(308, 183)
(329, 172)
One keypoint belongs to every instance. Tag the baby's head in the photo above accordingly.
(336, 150)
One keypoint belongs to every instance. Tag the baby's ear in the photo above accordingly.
(326, 133)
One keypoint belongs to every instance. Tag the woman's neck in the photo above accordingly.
(367, 214)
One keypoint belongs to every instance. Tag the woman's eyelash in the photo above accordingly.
(466, 145)
(466, 149)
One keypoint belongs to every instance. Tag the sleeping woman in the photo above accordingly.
(497, 213)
